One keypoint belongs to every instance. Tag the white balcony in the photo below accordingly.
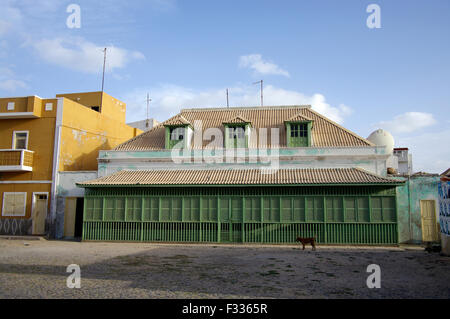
(16, 160)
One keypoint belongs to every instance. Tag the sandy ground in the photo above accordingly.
(37, 269)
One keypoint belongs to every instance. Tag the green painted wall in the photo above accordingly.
(409, 195)
(347, 214)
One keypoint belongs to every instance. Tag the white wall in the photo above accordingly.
(371, 159)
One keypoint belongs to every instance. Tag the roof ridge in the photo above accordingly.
(234, 108)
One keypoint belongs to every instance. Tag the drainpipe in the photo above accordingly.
(55, 177)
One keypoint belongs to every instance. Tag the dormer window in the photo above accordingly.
(237, 132)
(178, 132)
(298, 129)
(236, 137)
(175, 136)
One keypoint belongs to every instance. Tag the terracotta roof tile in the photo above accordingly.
(325, 133)
(241, 177)
(298, 117)
(177, 120)
(237, 119)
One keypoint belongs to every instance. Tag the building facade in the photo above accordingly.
(144, 125)
(249, 174)
(418, 208)
(444, 211)
(40, 139)
(404, 160)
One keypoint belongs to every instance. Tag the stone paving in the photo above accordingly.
(37, 269)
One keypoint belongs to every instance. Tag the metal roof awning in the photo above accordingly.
(241, 177)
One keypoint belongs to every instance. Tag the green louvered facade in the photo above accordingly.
(254, 214)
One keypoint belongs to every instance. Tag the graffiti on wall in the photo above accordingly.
(444, 207)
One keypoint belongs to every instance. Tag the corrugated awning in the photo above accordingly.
(319, 176)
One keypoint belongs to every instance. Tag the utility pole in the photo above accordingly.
(228, 105)
(103, 78)
(148, 101)
(261, 82)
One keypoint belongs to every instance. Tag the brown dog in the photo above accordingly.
(307, 240)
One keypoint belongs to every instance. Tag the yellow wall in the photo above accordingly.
(85, 132)
(111, 107)
(31, 104)
(29, 189)
(40, 140)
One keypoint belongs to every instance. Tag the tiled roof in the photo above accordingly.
(237, 119)
(177, 120)
(298, 117)
(325, 133)
(241, 177)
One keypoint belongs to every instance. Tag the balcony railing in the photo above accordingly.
(16, 160)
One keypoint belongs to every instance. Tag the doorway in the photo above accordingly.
(40, 204)
(429, 226)
(73, 217)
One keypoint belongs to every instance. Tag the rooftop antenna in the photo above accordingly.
(228, 105)
(103, 78)
(261, 91)
(148, 101)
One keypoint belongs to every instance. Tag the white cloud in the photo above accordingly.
(260, 66)
(429, 151)
(167, 100)
(408, 122)
(81, 55)
(8, 81)
(11, 85)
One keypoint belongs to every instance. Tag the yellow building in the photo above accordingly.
(43, 139)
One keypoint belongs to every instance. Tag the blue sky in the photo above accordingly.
(186, 53)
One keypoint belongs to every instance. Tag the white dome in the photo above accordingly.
(381, 137)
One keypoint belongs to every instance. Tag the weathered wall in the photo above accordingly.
(85, 132)
(415, 189)
(67, 188)
(367, 158)
(444, 215)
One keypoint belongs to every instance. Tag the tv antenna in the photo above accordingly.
(261, 82)
(103, 77)
(228, 104)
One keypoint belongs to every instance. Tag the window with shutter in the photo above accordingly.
(14, 204)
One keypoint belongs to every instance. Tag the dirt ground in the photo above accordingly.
(37, 269)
